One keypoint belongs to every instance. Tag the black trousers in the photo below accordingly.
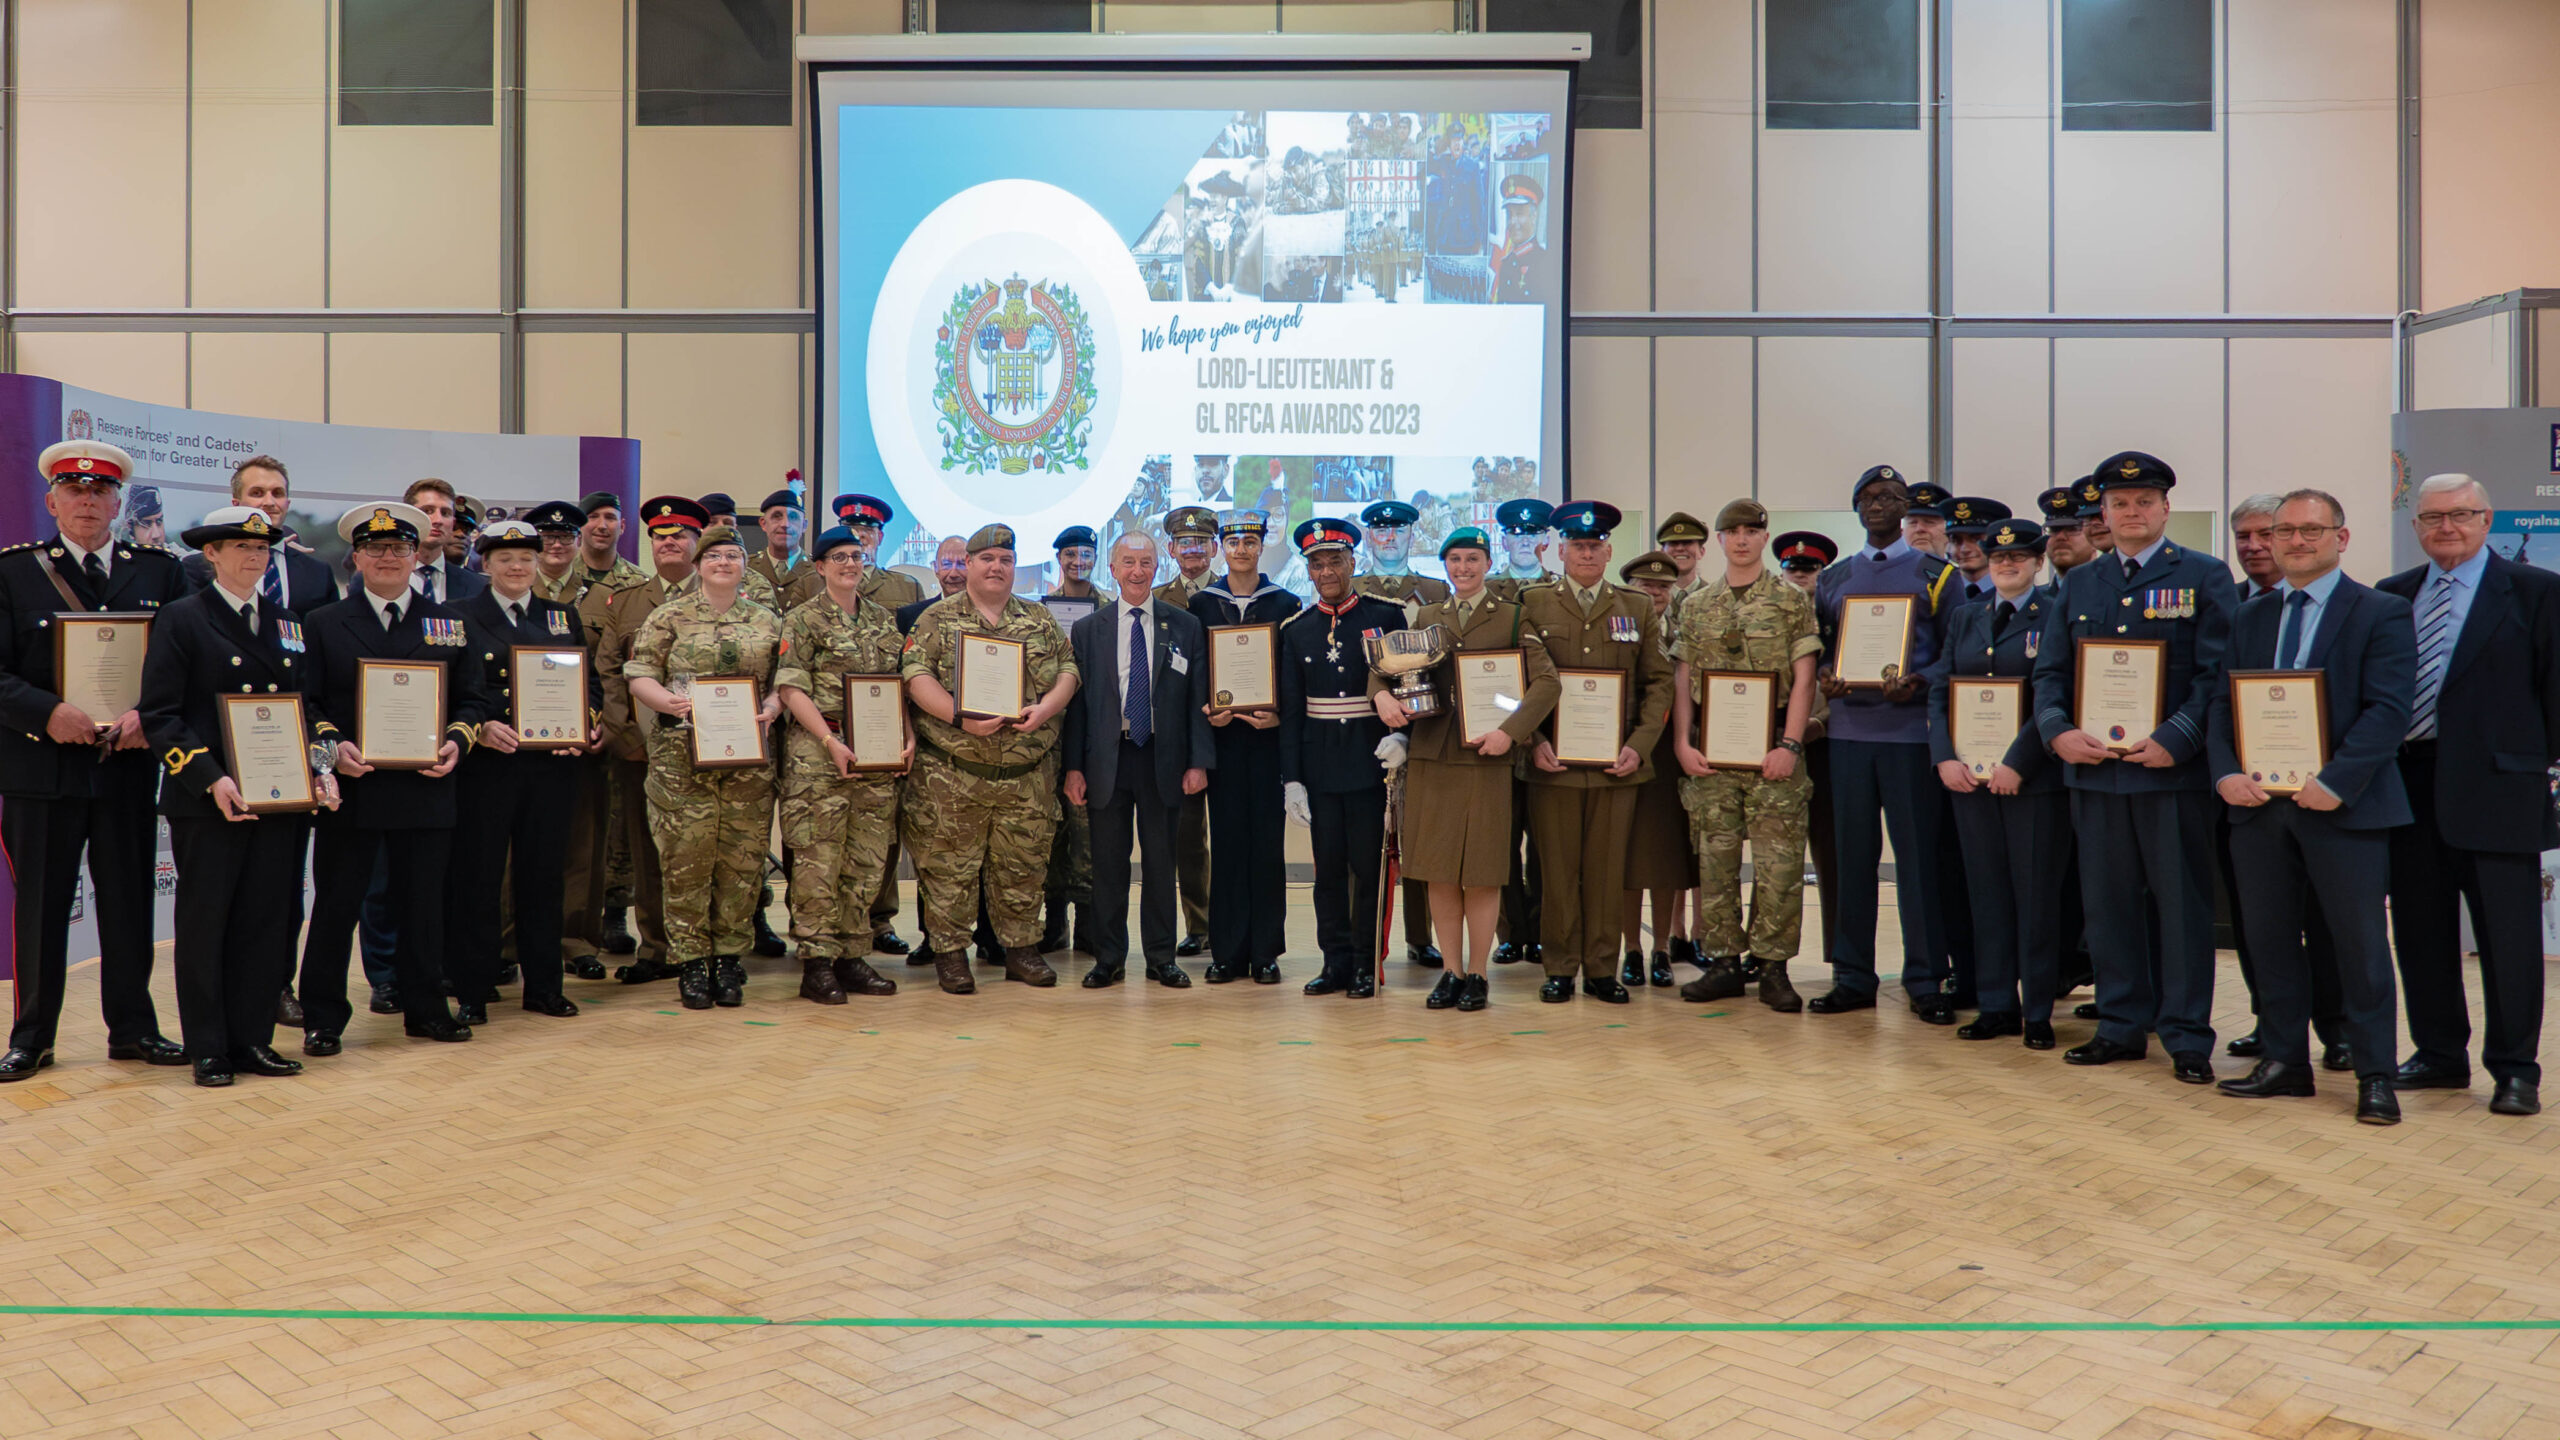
(2014, 851)
(342, 864)
(1348, 829)
(2430, 883)
(2293, 863)
(1894, 781)
(2143, 856)
(1524, 894)
(1248, 869)
(45, 839)
(511, 823)
(1820, 841)
(238, 910)
(1137, 806)
(2327, 999)
(1955, 906)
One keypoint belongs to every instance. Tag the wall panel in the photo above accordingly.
(2003, 429)
(2138, 223)
(2318, 413)
(100, 152)
(414, 216)
(1365, 17)
(1702, 424)
(2466, 366)
(1830, 407)
(2490, 95)
(282, 377)
(2003, 138)
(574, 115)
(135, 367)
(1703, 128)
(261, 125)
(714, 412)
(2314, 179)
(715, 216)
(573, 384)
(2160, 396)
(1609, 185)
(1844, 220)
(420, 382)
(1611, 458)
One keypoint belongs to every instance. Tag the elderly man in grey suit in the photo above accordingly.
(1137, 742)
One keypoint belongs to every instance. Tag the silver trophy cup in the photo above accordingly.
(1407, 658)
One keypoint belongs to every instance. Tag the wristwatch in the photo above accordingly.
(1792, 747)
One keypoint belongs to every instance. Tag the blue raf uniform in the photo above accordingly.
(2014, 845)
(2145, 833)
(1329, 734)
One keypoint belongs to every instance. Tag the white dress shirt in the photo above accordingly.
(1121, 610)
(407, 602)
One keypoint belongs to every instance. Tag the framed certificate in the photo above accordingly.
(1490, 684)
(400, 713)
(2123, 688)
(875, 721)
(993, 674)
(548, 690)
(1244, 667)
(1070, 608)
(1983, 716)
(1590, 723)
(2280, 726)
(725, 733)
(1874, 644)
(1737, 718)
(268, 752)
(97, 661)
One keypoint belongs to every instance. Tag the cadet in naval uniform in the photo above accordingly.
(1390, 577)
(1191, 538)
(73, 780)
(1331, 779)
(1249, 912)
(2142, 805)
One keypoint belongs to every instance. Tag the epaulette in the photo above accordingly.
(21, 545)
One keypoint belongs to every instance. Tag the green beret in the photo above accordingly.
(1467, 537)
(991, 537)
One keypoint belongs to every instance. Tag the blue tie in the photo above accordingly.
(1139, 705)
(2294, 605)
(2435, 655)
(271, 585)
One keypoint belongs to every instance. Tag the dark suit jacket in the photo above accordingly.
(1971, 651)
(459, 584)
(1183, 738)
(349, 631)
(308, 582)
(139, 578)
(2498, 715)
(907, 613)
(200, 652)
(2368, 649)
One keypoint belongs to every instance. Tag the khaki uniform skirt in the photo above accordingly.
(1660, 852)
(1457, 822)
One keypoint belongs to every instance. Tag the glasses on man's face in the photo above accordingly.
(2300, 532)
(2449, 519)
(390, 550)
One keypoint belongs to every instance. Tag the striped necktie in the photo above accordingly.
(2435, 653)
(1138, 706)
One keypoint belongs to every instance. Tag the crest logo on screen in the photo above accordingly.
(1015, 389)
(77, 426)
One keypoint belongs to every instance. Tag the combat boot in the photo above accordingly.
(818, 982)
(856, 977)
(728, 981)
(693, 984)
(768, 944)
(1776, 990)
(1721, 980)
(1025, 964)
(951, 968)
(618, 939)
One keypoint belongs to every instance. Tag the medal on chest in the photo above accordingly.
(289, 635)
(1622, 629)
(559, 623)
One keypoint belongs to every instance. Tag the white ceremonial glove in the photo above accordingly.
(1391, 751)
(1293, 799)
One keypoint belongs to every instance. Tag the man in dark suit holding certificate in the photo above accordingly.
(1138, 741)
(2326, 844)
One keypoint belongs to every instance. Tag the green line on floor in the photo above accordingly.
(761, 1022)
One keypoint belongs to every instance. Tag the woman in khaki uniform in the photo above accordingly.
(711, 826)
(1457, 834)
(838, 823)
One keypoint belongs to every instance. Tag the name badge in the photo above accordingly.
(1181, 663)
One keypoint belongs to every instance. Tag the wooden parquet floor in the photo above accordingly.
(1178, 1208)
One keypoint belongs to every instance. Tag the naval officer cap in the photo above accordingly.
(2009, 535)
(1679, 525)
(1586, 520)
(1805, 550)
(507, 535)
(84, 462)
(1972, 515)
(2133, 470)
(1525, 516)
(1388, 515)
(1651, 565)
(993, 536)
(382, 520)
(1191, 522)
(554, 516)
(834, 537)
(1323, 533)
(1875, 475)
(231, 522)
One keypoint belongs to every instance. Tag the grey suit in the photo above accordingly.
(1129, 786)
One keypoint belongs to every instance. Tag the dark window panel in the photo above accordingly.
(2137, 64)
(998, 17)
(1843, 64)
(1609, 93)
(714, 62)
(417, 62)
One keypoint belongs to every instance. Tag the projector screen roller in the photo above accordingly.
(1085, 297)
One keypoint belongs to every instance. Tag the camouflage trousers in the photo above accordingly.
(1724, 809)
(964, 830)
(711, 828)
(839, 833)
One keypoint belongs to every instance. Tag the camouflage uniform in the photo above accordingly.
(839, 831)
(983, 805)
(1764, 628)
(796, 586)
(889, 590)
(711, 826)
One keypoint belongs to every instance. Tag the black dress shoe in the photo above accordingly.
(1192, 945)
(1991, 1025)
(641, 972)
(1840, 1001)
(1426, 956)
(1506, 953)
(288, 1011)
(1267, 973)
(1101, 977)
(2039, 1034)
(20, 1063)
(321, 1043)
(213, 1072)
(1557, 990)
(507, 975)
(1478, 992)
(1934, 1009)
(585, 967)
(1631, 968)
(1684, 951)
(556, 1005)
(1446, 993)
(1605, 990)
(2271, 1078)
(890, 942)
(386, 1001)
(2246, 1047)
(260, 1060)
(2085, 1010)
(1534, 953)
(2516, 1096)
(2102, 1051)
(437, 1027)
(1661, 968)
(152, 1049)
(1364, 986)
(1325, 984)
(1221, 973)
(471, 1012)
(2338, 1059)
(1171, 977)
(2376, 1103)
(2416, 1074)
(2192, 1067)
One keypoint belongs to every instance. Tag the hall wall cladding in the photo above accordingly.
(195, 185)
